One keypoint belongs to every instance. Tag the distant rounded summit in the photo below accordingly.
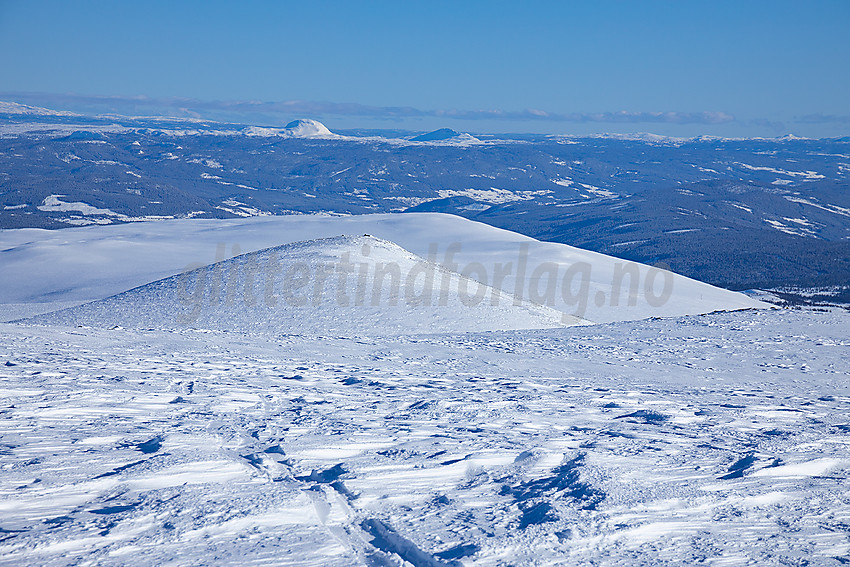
(448, 136)
(343, 285)
(307, 128)
(302, 128)
(436, 135)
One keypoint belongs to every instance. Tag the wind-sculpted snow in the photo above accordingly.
(718, 439)
(343, 285)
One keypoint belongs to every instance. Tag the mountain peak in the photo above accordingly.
(441, 134)
(341, 285)
(307, 128)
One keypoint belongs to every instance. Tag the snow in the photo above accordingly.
(336, 286)
(598, 191)
(835, 209)
(446, 136)
(742, 207)
(334, 174)
(251, 391)
(170, 425)
(208, 162)
(681, 230)
(53, 203)
(475, 207)
(493, 195)
(94, 262)
(59, 130)
(796, 231)
(816, 467)
(302, 128)
(15, 108)
(802, 221)
(807, 175)
(440, 134)
(715, 438)
(241, 209)
(211, 406)
(306, 128)
(91, 215)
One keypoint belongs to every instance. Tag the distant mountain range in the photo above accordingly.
(739, 213)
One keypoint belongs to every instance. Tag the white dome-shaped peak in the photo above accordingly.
(307, 128)
(338, 286)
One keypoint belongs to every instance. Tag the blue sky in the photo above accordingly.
(676, 68)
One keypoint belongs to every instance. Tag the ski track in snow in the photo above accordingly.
(722, 438)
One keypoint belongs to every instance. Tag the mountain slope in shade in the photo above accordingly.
(440, 134)
(339, 286)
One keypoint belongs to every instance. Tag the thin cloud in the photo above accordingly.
(177, 106)
(774, 125)
(823, 119)
(658, 117)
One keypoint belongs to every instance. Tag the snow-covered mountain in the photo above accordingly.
(441, 134)
(302, 128)
(83, 264)
(306, 128)
(446, 135)
(335, 286)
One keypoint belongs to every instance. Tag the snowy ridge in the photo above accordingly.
(89, 263)
(661, 139)
(447, 136)
(25, 109)
(339, 286)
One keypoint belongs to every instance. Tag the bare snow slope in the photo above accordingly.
(44, 270)
(339, 286)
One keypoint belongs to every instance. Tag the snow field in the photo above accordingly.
(627, 444)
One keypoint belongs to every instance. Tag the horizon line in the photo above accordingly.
(190, 109)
